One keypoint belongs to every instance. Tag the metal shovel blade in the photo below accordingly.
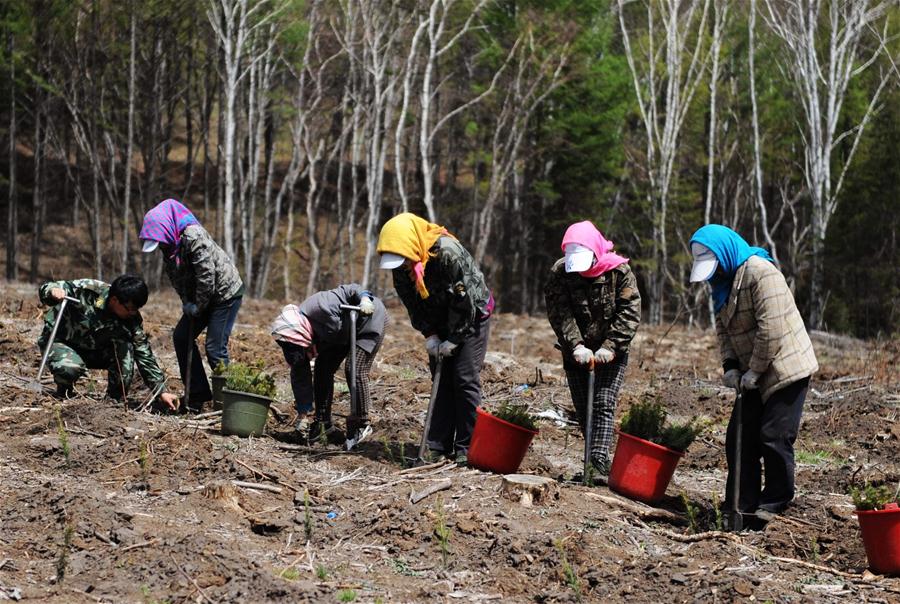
(361, 435)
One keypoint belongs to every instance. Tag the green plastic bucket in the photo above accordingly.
(218, 383)
(244, 414)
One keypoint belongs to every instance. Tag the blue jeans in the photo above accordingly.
(218, 321)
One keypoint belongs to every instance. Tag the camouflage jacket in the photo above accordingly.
(457, 293)
(89, 326)
(603, 311)
(205, 274)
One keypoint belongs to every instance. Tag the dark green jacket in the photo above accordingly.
(603, 311)
(90, 327)
(458, 295)
(205, 274)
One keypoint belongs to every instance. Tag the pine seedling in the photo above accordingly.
(388, 453)
(717, 509)
(307, 516)
(644, 420)
(442, 531)
(691, 510)
(569, 574)
(346, 595)
(62, 561)
(144, 459)
(321, 572)
(517, 415)
(63, 435)
(870, 497)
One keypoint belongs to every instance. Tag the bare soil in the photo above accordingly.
(143, 507)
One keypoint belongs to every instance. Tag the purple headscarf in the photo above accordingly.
(166, 222)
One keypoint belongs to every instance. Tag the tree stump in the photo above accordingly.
(528, 489)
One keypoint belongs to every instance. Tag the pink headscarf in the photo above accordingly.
(165, 223)
(293, 326)
(586, 234)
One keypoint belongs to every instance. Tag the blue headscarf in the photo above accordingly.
(731, 251)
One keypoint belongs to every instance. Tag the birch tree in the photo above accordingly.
(664, 97)
(824, 51)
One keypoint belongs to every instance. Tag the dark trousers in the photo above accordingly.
(608, 380)
(218, 321)
(317, 384)
(767, 438)
(459, 394)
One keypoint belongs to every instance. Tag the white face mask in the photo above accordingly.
(578, 258)
(705, 262)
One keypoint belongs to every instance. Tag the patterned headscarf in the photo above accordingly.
(166, 222)
(292, 326)
(586, 234)
(410, 236)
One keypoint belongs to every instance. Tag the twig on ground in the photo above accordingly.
(257, 486)
(429, 466)
(640, 510)
(416, 497)
(139, 545)
(189, 578)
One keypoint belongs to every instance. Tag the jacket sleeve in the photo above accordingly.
(44, 291)
(200, 256)
(418, 313)
(726, 350)
(627, 315)
(559, 311)
(144, 358)
(769, 292)
(462, 311)
(175, 279)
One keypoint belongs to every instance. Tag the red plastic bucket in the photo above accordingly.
(497, 445)
(881, 538)
(642, 469)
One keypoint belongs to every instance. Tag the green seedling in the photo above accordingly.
(814, 458)
(346, 595)
(569, 574)
(144, 459)
(517, 415)
(441, 531)
(307, 517)
(252, 379)
(62, 561)
(63, 435)
(321, 572)
(717, 509)
(290, 573)
(388, 453)
(646, 420)
(691, 511)
(814, 552)
(402, 568)
(870, 497)
(148, 596)
(407, 373)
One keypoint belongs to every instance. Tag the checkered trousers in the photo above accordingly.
(608, 381)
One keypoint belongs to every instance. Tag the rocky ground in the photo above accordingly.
(105, 504)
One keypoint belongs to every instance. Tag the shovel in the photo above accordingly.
(36, 385)
(589, 426)
(435, 384)
(737, 517)
(353, 440)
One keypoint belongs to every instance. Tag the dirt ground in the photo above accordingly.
(122, 506)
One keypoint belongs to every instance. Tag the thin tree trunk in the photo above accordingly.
(37, 198)
(129, 152)
(12, 213)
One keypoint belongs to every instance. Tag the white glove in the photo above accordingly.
(447, 348)
(432, 344)
(604, 355)
(732, 378)
(582, 354)
(366, 306)
(749, 381)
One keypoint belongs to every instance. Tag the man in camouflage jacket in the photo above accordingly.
(104, 330)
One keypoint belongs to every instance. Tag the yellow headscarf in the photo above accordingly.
(410, 236)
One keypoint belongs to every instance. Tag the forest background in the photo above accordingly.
(294, 129)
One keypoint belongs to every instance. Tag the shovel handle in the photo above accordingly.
(589, 423)
(59, 315)
(435, 384)
(350, 307)
(737, 516)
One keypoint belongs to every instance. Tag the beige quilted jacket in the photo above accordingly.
(761, 328)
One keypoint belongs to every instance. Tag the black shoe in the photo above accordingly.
(319, 432)
(194, 408)
(65, 391)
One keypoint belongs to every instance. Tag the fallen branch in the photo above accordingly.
(704, 536)
(440, 486)
(208, 414)
(256, 485)
(139, 545)
(429, 466)
(189, 578)
(640, 510)
(818, 567)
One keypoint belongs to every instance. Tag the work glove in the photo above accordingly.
(432, 344)
(732, 378)
(582, 354)
(749, 381)
(366, 306)
(447, 348)
(604, 355)
(190, 309)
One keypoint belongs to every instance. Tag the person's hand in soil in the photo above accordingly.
(58, 294)
(169, 400)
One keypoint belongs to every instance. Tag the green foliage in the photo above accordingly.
(346, 595)
(441, 531)
(691, 511)
(62, 560)
(646, 419)
(307, 517)
(870, 497)
(250, 378)
(516, 414)
(290, 573)
(568, 571)
(144, 459)
(321, 572)
(220, 368)
(63, 435)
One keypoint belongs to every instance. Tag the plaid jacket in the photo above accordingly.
(761, 328)
(604, 311)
